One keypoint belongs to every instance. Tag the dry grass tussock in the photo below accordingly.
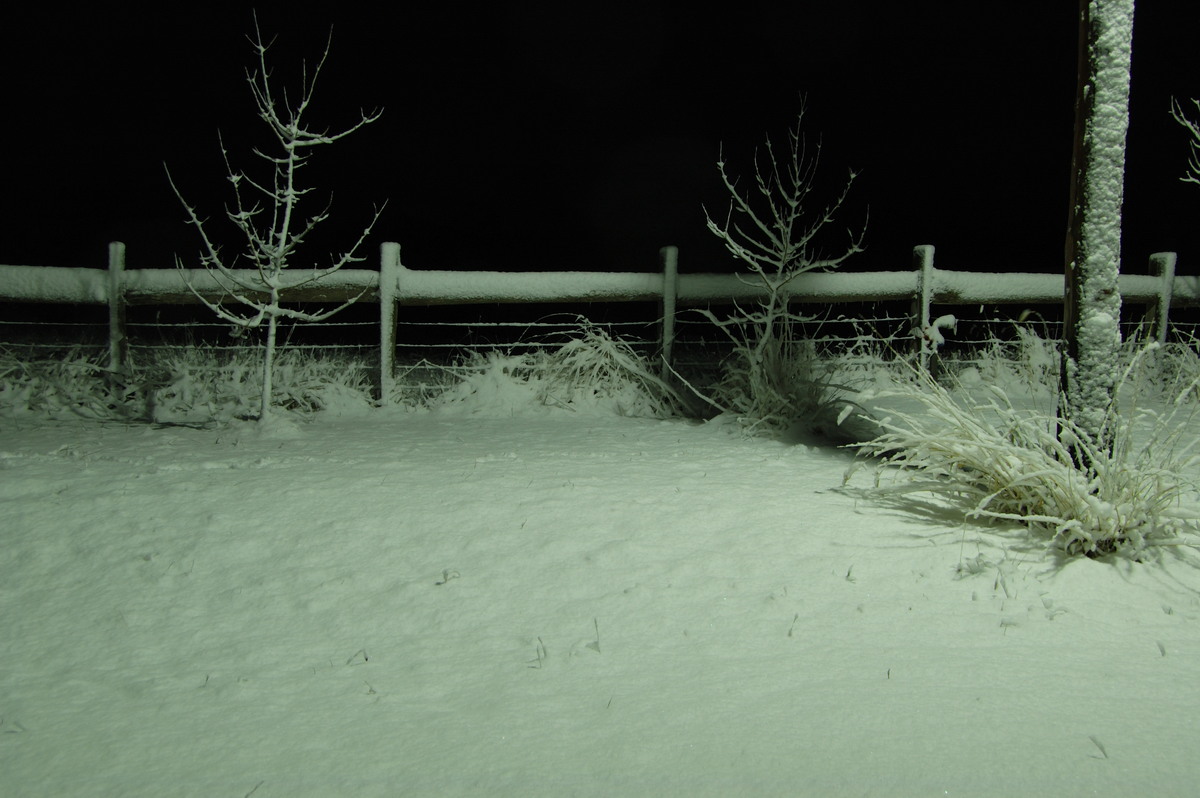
(591, 370)
(184, 385)
(208, 386)
(977, 449)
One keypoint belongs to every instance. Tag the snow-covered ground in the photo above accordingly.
(548, 603)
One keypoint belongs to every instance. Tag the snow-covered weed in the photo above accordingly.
(1029, 360)
(196, 385)
(1177, 365)
(192, 385)
(202, 384)
(594, 366)
(489, 383)
(1005, 463)
(776, 384)
(70, 383)
(591, 370)
(315, 382)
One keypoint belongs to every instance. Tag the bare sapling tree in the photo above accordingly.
(267, 212)
(774, 229)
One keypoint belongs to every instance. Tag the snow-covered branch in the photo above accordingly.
(772, 227)
(1193, 128)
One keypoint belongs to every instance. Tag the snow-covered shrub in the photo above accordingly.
(590, 371)
(1006, 463)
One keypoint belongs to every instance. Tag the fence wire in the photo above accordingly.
(445, 336)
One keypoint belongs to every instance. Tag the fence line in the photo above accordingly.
(394, 286)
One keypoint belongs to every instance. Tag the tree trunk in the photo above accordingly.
(264, 413)
(1092, 302)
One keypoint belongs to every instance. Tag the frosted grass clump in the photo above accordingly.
(195, 386)
(592, 370)
(775, 382)
(315, 382)
(1178, 367)
(188, 385)
(1029, 360)
(201, 385)
(69, 385)
(491, 383)
(1044, 472)
(780, 386)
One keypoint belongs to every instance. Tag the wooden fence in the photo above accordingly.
(394, 286)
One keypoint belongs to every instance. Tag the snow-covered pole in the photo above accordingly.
(670, 261)
(923, 263)
(1162, 266)
(389, 282)
(118, 341)
(1092, 297)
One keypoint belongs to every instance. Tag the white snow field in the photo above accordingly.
(553, 603)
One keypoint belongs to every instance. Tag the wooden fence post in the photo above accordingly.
(923, 263)
(118, 341)
(1162, 266)
(670, 262)
(389, 283)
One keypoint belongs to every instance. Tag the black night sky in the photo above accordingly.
(551, 136)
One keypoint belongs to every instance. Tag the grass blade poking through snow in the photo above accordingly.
(1010, 464)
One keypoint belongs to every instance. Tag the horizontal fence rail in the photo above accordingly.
(64, 285)
(393, 285)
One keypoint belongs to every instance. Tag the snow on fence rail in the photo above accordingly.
(394, 285)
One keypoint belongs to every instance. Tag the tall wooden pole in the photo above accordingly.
(118, 340)
(1092, 298)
